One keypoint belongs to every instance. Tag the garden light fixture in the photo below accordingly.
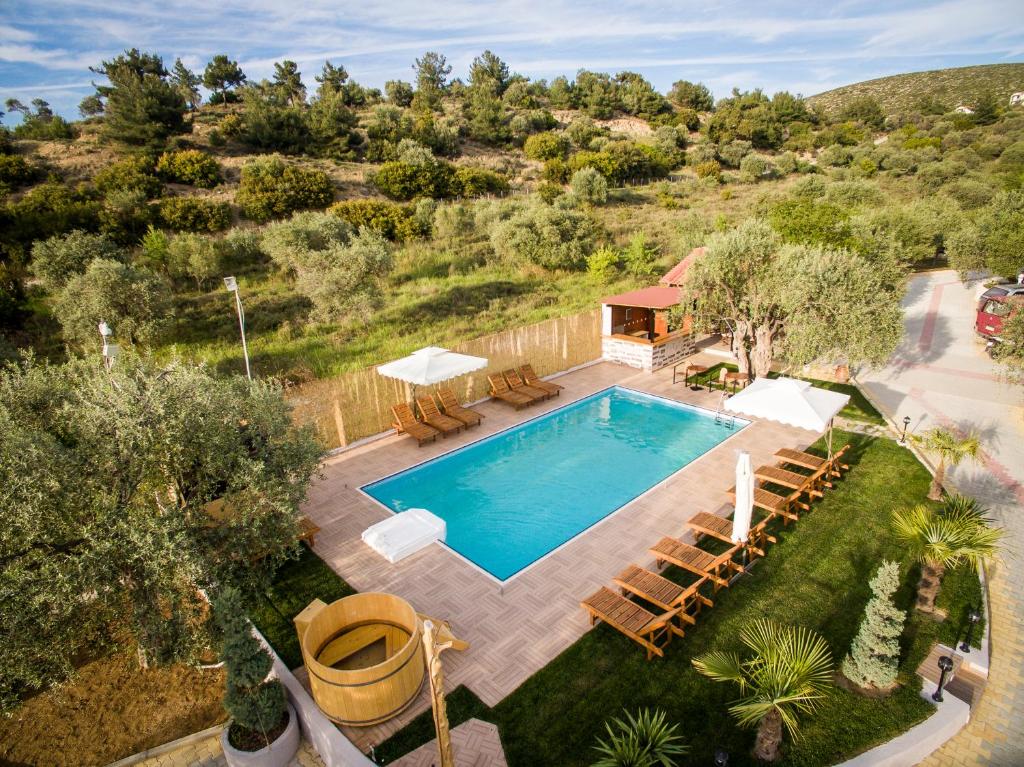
(721, 757)
(945, 666)
(972, 620)
(906, 423)
(231, 284)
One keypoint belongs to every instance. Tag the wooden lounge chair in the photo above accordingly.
(405, 422)
(532, 379)
(516, 382)
(640, 625)
(434, 417)
(451, 406)
(791, 480)
(664, 593)
(784, 506)
(696, 561)
(500, 390)
(714, 526)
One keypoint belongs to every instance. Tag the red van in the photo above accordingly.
(994, 306)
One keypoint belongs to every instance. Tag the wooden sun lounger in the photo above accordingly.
(405, 422)
(696, 560)
(640, 625)
(662, 592)
(500, 390)
(451, 406)
(779, 505)
(703, 523)
(804, 483)
(517, 384)
(532, 379)
(835, 467)
(434, 417)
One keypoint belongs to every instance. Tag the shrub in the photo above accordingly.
(125, 214)
(704, 151)
(732, 154)
(644, 740)
(406, 181)
(194, 214)
(390, 220)
(550, 191)
(14, 171)
(757, 167)
(874, 657)
(189, 166)
(852, 194)
(803, 220)
(48, 209)
(582, 130)
(473, 182)
(453, 221)
(835, 155)
(193, 255)
(970, 194)
(241, 249)
(132, 173)
(288, 243)
(343, 281)
(709, 169)
(786, 163)
(257, 705)
(57, 259)
(545, 235)
(134, 302)
(640, 258)
(603, 264)
(921, 142)
(589, 186)
(546, 146)
(271, 189)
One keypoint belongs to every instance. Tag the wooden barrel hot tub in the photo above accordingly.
(364, 655)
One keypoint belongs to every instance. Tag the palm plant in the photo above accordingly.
(951, 450)
(958, 533)
(788, 674)
(641, 741)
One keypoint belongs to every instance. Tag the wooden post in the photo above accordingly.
(436, 679)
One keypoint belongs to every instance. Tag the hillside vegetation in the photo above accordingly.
(363, 224)
(949, 88)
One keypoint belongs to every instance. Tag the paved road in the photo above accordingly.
(940, 375)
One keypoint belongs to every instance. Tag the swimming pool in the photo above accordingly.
(517, 495)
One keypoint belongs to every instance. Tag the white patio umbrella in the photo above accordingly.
(790, 401)
(431, 365)
(744, 498)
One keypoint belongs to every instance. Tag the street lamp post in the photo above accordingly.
(110, 350)
(232, 285)
(945, 666)
(906, 423)
(972, 617)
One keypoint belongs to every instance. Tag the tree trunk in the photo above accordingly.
(741, 346)
(935, 491)
(769, 737)
(762, 356)
(928, 587)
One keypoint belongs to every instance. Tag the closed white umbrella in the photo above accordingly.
(431, 365)
(744, 499)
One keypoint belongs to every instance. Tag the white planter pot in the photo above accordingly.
(277, 754)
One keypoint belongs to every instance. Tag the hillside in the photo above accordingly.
(951, 87)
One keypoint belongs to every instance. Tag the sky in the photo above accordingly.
(47, 46)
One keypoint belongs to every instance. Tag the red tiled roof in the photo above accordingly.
(677, 274)
(659, 297)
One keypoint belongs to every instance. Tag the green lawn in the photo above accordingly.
(815, 576)
(858, 408)
(294, 586)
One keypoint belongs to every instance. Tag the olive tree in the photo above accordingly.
(124, 492)
(58, 259)
(803, 302)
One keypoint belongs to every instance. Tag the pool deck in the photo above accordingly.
(517, 628)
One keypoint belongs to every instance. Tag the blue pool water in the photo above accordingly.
(513, 497)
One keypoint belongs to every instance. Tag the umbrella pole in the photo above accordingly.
(830, 420)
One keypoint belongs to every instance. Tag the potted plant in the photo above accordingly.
(264, 730)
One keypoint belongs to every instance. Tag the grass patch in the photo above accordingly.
(294, 586)
(816, 576)
(857, 409)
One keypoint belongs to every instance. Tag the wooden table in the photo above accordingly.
(695, 369)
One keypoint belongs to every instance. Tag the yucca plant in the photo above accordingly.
(645, 740)
(959, 533)
(788, 674)
(950, 448)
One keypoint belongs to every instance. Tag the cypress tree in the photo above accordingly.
(875, 653)
(254, 702)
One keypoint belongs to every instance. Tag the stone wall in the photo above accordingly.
(626, 353)
(673, 351)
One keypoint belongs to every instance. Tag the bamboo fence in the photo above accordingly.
(358, 404)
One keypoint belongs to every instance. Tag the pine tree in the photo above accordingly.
(875, 653)
(253, 701)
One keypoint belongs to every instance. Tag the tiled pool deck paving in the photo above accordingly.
(516, 629)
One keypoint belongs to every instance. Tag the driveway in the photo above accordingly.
(941, 376)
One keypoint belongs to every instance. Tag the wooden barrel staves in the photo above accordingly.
(364, 655)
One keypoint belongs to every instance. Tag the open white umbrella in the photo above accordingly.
(431, 365)
(744, 498)
(790, 401)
